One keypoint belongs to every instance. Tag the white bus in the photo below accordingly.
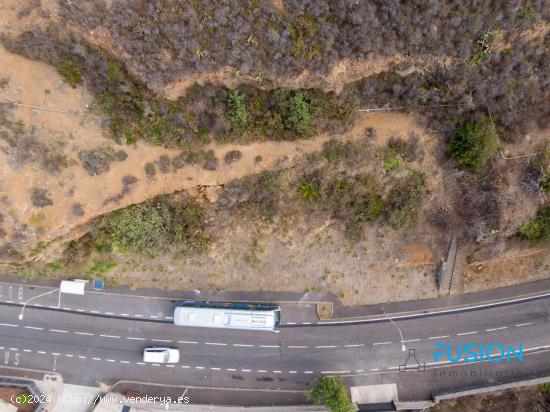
(206, 314)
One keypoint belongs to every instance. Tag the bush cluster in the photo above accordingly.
(538, 229)
(473, 143)
(153, 227)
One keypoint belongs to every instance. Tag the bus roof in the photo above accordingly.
(225, 318)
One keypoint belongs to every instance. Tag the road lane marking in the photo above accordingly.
(68, 355)
(215, 344)
(14, 349)
(245, 370)
(293, 372)
(110, 336)
(359, 370)
(412, 340)
(169, 366)
(84, 333)
(270, 346)
(95, 311)
(467, 333)
(55, 354)
(243, 345)
(374, 369)
(381, 343)
(138, 316)
(199, 367)
(493, 329)
(124, 314)
(155, 364)
(297, 347)
(11, 325)
(334, 372)
(439, 337)
(277, 372)
(354, 346)
(80, 310)
(392, 367)
(188, 341)
(216, 369)
(326, 346)
(308, 372)
(132, 338)
(59, 330)
(109, 313)
(153, 316)
(96, 358)
(53, 307)
(27, 350)
(41, 352)
(262, 371)
(124, 361)
(185, 367)
(81, 357)
(33, 327)
(141, 363)
(523, 324)
(231, 370)
(162, 340)
(110, 360)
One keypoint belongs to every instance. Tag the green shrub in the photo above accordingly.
(238, 115)
(544, 387)
(473, 144)
(101, 267)
(156, 226)
(331, 392)
(391, 161)
(545, 184)
(157, 130)
(69, 72)
(53, 266)
(309, 191)
(296, 110)
(538, 229)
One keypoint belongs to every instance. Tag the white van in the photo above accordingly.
(161, 355)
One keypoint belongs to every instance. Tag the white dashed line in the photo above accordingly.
(142, 363)
(56, 354)
(359, 370)
(153, 316)
(109, 313)
(80, 310)
(262, 371)
(110, 336)
(326, 346)
(27, 350)
(412, 340)
(11, 325)
(215, 344)
(467, 333)
(439, 337)
(168, 317)
(493, 329)
(41, 352)
(68, 355)
(374, 369)
(354, 346)
(243, 345)
(124, 361)
(334, 372)
(67, 308)
(185, 366)
(38, 304)
(81, 357)
(188, 341)
(308, 372)
(96, 358)
(381, 343)
(169, 366)
(231, 370)
(392, 367)
(95, 311)
(9, 301)
(199, 367)
(245, 370)
(523, 324)
(215, 369)
(297, 347)
(110, 360)
(293, 372)
(53, 307)
(33, 327)
(155, 364)
(291, 323)
(162, 340)
(84, 333)
(59, 330)
(124, 314)
(269, 346)
(14, 349)
(132, 338)
(277, 371)
(138, 316)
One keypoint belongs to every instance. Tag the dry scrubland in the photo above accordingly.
(220, 146)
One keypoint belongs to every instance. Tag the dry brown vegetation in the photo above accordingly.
(247, 176)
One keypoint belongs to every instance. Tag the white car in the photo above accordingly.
(161, 355)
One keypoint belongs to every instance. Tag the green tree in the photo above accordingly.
(331, 392)
(473, 144)
(238, 115)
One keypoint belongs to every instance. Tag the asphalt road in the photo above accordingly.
(90, 348)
